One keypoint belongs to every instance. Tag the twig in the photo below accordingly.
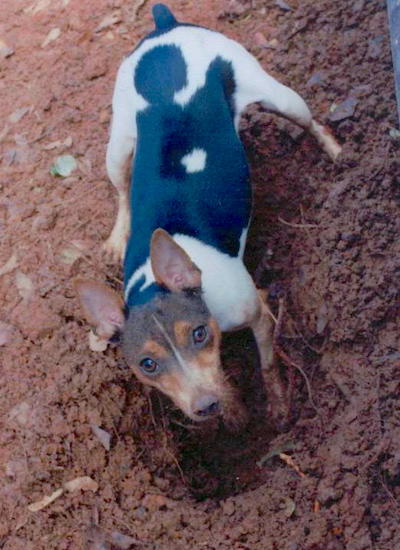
(290, 462)
(300, 225)
(284, 356)
(139, 4)
(389, 493)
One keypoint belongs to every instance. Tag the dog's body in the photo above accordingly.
(177, 105)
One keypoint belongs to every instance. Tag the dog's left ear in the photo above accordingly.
(102, 307)
(171, 266)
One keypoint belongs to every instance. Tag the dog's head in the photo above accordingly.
(172, 343)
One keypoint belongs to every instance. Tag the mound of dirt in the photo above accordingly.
(324, 236)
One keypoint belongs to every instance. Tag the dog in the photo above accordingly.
(182, 230)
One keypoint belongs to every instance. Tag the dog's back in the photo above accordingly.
(190, 172)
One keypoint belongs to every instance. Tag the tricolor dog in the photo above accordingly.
(181, 229)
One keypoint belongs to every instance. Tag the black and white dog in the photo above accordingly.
(182, 229)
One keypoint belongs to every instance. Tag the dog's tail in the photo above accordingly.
(163, 18)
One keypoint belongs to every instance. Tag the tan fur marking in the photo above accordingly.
(155, 350)
(182, 330)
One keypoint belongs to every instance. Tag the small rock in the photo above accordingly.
(315, 79)
(283, 5)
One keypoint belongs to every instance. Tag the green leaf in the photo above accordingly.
(64, 166)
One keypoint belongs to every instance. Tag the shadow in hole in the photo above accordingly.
(215, 461)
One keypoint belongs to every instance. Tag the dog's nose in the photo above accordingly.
(206, 405)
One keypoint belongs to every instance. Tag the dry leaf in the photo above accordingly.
(343, 110)
(6, 333)
(5, 49)
(21, 412)
(53, 35)
(18, 114)
(289, 507)
(103, 436)
(108, 21)
(45, 501)
(97, 539)
(24, 285)
(60, 143)
(9, 265)
(37, 6)
(69, 255)
(122, 541)
(96, 343)
(84, 483)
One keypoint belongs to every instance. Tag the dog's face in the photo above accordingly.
(171, 343)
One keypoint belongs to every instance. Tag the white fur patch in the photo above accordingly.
(195, 161)
(145, 270)
(229, 291)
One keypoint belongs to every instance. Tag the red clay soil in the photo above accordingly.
(324, 236)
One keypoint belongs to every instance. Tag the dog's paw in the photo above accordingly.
(113, 250)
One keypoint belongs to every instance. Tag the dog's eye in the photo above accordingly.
(200, 334)
(149, 366)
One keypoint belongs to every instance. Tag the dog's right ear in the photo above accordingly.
(102, 307)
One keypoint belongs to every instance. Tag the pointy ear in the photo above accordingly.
(171, 266)
(102, 307)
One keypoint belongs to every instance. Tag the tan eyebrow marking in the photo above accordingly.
(155, 349)
(182, 330)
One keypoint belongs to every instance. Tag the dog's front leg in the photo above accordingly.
(277, 394)
(120, 151)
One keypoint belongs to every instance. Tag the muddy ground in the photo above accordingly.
(324, 235)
